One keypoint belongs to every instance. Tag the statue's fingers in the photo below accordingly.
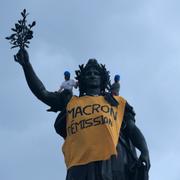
(19, 55)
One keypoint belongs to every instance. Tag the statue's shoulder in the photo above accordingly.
(73, 100)
(120, 99)
(130, 109)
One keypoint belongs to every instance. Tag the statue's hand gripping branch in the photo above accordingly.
(22, 57)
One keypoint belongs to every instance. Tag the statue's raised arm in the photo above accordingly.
(53, 99)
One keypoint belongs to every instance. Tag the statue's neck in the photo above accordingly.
(93, 92)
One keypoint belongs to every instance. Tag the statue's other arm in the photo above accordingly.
(136, 136)
(52, 99)
(60, 124)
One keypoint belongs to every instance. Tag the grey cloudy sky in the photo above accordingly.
(138, 39)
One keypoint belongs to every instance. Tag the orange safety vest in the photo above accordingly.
(93, 127)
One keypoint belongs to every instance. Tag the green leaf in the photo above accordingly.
(17, 26)
(12, 36)
(26, 46)
(24, 11)
(22, 14)
(14, 46)
(8, 38)
(13, 29)
(33, 23)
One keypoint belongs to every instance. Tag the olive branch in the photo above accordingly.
(22, 33)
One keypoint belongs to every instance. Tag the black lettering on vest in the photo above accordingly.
(98, 120)
(80, 124)
(105, 120)
(85, 108)
(78, 111)
(88, 123)
(95, 108)
(69, 131)
(105, 109)
(110, 122)
(71, 111)
(114, 114)
(73, 128)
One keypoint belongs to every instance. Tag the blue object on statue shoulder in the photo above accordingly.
(117, 77)
(67, 73)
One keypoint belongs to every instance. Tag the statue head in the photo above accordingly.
(93, 75)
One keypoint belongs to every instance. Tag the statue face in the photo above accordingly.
(92, 78)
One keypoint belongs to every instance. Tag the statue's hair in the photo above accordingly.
(105, 77)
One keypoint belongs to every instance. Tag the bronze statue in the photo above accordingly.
(98, 128)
